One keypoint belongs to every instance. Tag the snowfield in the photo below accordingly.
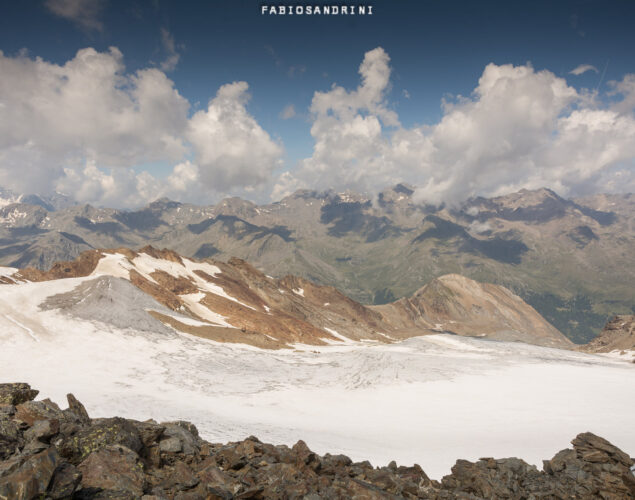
(428, 400)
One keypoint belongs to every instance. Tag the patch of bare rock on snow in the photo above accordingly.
(47, 452)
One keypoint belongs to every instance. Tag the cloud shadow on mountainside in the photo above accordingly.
(350, 217)
(504, 250)
(240, 229)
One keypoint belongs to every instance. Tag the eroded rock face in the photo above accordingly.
(618, 335)
(63, 454)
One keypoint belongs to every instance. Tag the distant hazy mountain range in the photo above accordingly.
(52, 202)
(573, 260)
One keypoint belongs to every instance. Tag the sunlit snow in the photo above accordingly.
(119, 265)
(428, 400)
(337, 335)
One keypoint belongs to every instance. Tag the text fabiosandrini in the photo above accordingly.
(316, 10)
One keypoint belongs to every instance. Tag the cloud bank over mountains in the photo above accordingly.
(107, 136)
(520, 128)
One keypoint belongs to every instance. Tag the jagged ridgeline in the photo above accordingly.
(47, 452)
(572, 260)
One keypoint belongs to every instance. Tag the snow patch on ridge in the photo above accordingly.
(13, 216)
(192, 301)
(185, 320)
(119, 265)
(6, 272)
(116, 265)
(338, 335)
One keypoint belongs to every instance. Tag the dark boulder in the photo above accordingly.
(30, 412)
(114, 469)
(32, 478)
(102, 432)
(179, 438)
(16, 393)
(65, 481)
(10, 437)
(42, 430)
(149, 432)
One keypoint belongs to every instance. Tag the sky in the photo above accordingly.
(118, 103)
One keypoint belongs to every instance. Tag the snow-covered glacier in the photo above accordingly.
(427, 400)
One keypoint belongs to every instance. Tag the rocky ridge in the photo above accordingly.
(618, 336)
(234, 302)
(456, 304)
(50, 453)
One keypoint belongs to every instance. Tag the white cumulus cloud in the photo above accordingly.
(626, 89)
(124, 187)
(232, 149)
(347, 130)
(82, 126)
(520, 128)
(87, 109)
(107, 136)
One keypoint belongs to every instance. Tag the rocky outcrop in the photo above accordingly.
(234, 302)
(618, 336)
(52, 453)
(14, 394)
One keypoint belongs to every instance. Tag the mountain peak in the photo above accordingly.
(536, 205)
(305, 194)
(456, 304)
(403, 188)
(163, 203)
(525, 198)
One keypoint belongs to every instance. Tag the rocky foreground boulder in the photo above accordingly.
(50, 453)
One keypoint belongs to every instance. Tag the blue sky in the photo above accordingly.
(436, 50)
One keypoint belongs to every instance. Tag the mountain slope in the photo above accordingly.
(455, 304)
(572, 260)
(234, 302)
